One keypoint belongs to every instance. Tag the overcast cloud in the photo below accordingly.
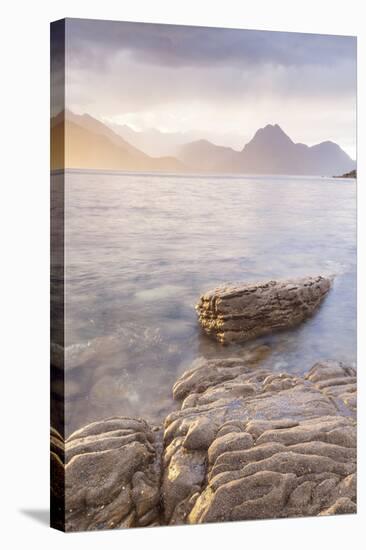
(219, 83)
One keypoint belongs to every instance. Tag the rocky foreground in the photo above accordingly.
(241, 312)
(112, 475)
(249, 444)
(244, 442)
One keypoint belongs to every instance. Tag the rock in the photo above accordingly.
(243, 311)
(204, 374)
(341, 506)
(231, 441)
(112, 475)
(181, 481)
(329, 376)
(286, 448)
(245, 444)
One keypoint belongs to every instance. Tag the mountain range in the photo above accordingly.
(89, 143)
(81, 141)
(270, 151)
(151, 141)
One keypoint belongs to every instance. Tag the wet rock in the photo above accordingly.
(245, 444)
(338, 381)
(112, 475)
(286, 448)
(342, 505)
(181, 481)
(206, 373)
(240, 312)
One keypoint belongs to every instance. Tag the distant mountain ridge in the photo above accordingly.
(270, 151)
(152, 141)
(81, 141)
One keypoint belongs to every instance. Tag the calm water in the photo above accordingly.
(140, 249)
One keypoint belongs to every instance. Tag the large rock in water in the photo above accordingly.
(112, 475)
(241, 312)
(249, 444)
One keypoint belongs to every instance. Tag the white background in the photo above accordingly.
(25, 268)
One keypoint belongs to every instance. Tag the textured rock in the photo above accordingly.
(112, 475)
(241, 312)
(245, 444)
(249, 444)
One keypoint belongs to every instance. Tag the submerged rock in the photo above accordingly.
(241, 312)
(249, 444)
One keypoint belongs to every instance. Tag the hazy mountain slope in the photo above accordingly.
(331, 157)
(152, 142)
(270, 151)
(90, 144)
(92, 124)
(204, 155)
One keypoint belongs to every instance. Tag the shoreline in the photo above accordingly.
(197, 175)
(243, 443)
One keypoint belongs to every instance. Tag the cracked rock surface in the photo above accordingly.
(245, 444)
(248, 444)
(112, 475)
(240, 312)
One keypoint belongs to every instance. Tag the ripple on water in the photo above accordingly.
(136, 265)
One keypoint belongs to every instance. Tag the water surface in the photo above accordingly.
(141, 249)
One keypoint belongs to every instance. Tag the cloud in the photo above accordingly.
(213, 81)
(183, 46)
(127, 87)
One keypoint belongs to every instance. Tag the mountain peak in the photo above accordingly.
(273, 130)
(270, 137)
(272, 126)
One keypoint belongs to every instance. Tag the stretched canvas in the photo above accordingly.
(203, 275)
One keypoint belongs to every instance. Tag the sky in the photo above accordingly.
(218, 84)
